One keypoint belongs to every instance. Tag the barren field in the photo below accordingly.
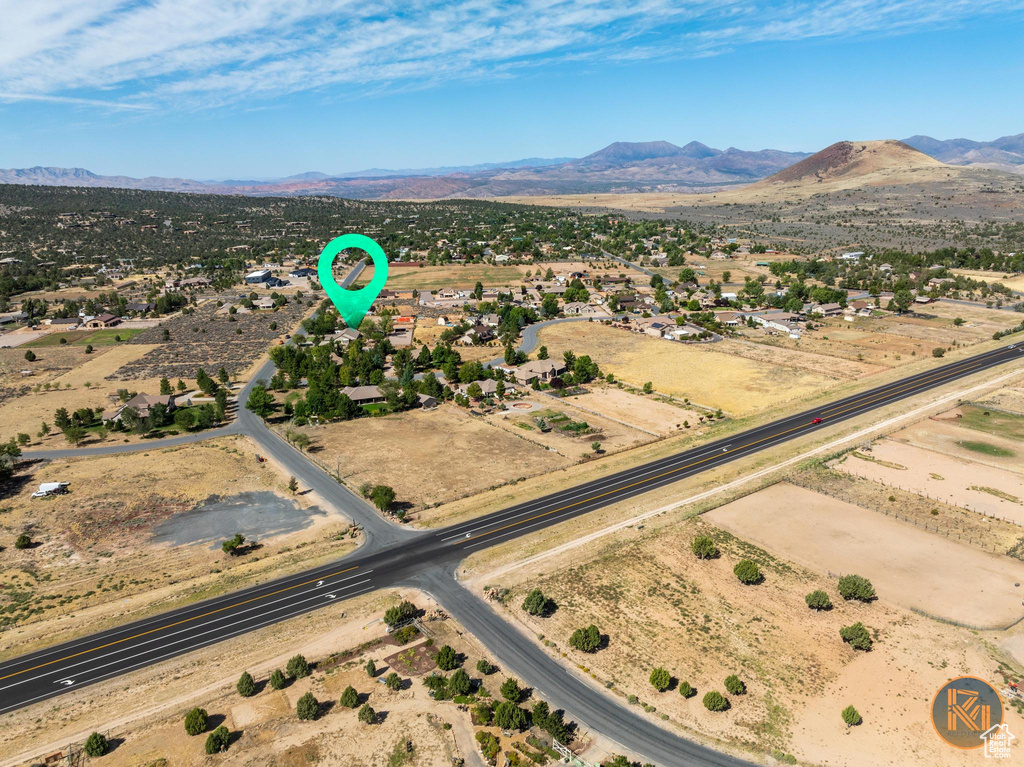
(124, 539)
(1010, 399)
(428, 456)
(451, 276)
(661, 606)
(943, 434)
(712, 375)
(992, 492)
(907, 565)
(644, 412)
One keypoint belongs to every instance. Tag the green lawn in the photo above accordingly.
(85, 337)
(987, 448)
(993, 422)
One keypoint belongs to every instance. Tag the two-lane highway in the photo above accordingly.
(75, 664)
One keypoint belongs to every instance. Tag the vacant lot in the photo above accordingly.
(944, 434)
(990, 491)
(908, 565)
(645, 412)
(428, 456)
(1009, 398)
(452, 276)
(712, 375)
(1010, 280)
(95, 554)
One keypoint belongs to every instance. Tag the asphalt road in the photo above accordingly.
(426, 558)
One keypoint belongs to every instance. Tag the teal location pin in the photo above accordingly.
(352, 305)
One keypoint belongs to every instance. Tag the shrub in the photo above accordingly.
(393, 681)
(851, 716)
(277, 679)
(96, 744)
(484, 666)
(856, 587)
(367, 715)
(538, 604)
(818, 600)
(510, 690)
(350, 698)
(938, 351)
(23, 541)
(748, 572)
(459, 683)
(30, 356)
(399, 613)
(218, 740)
(446, 658)
(715, 701)
(686, 690)
(703, 547)
(371, 669)
(246, 685)
(734, 686)
(660, 679)
(308, 706)
(195, 721)
(490, 746)
(857, 636)
(586, 640)
(297, 667)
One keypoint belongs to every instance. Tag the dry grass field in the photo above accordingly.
(648, 413)
(712, 375)
(449, 276)
(908, 565)
(429, 456)
(1012, 281)
(95, 557)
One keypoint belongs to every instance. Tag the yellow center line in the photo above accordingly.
(178, 623)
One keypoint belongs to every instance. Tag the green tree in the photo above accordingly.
(277, 679)
(509, 716)
(23, 439)
(660, 679)
(23, 541)
(95, 744)
(485, 667)
(748, 572)
(370, 668)
(703, 547)
(938, 351)
(223, 377)
(856, 636)
(715, 701)
(350, 698)
(233, 546)
(648, 387)
(30, 356)
(298, 667)
(734, 686)
(195, 721)
(206, 384)
(293, 485)
(260, 401)
(510, 690)
(542, 353)
(246, 685)
(586, 639)
(818, 600)
(538, 604)
(165, 387)
(393, 681)
(400, 612)
(218, 740)
(851, 716)
(308, 707)
(446, 658)
(856, 587)
(459, 683)
(686, 690)
(383, 496)
(367, 715)
(61, 418)
(88, 349)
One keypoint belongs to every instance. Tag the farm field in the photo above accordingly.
(661, 606)
(428, 456)
(125, 539)
(990, 491)
(711, 375)
(824, 534)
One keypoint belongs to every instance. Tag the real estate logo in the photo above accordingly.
(352, 305)
(967, 713)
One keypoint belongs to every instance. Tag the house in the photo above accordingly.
(142, 308)
(64, 323)
(263, 303)
(488, 386)
(538, 370)
(853, 256)
(400, 338)
(143, 403)
(345, 336)
(827, 310)
(8, 317)
(258, 277)
(363, 395)
(427, 402)
(443, 320)
(579, 309)
(477, 334)
(659, 260)
(305, 271)
(490, 320)
(276, 282)
(103, 321)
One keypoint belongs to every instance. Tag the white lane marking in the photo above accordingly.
(174, 654)
(176, 633)
(65, 682)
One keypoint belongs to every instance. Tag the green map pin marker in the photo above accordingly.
(352, 305)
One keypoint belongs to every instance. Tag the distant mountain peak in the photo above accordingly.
(621, 152)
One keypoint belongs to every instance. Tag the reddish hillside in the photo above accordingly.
(853, 158)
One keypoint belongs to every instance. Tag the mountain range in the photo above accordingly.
(620, 167)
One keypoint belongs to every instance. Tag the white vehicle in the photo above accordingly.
(51, 488)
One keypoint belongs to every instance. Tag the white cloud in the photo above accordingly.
(200, 53)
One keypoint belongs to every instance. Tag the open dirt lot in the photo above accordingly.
(712, 375)
(1010, 399)
(428, 456)
(645, 412)
(661, 606)
(992, 492)
(944, 434)
(908, 565)
(451, 276)
(98, 556)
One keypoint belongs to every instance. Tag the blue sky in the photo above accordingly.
(259, 88)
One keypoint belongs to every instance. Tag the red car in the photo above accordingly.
(816, 420)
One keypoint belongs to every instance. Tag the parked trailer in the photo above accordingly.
(51, 488)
